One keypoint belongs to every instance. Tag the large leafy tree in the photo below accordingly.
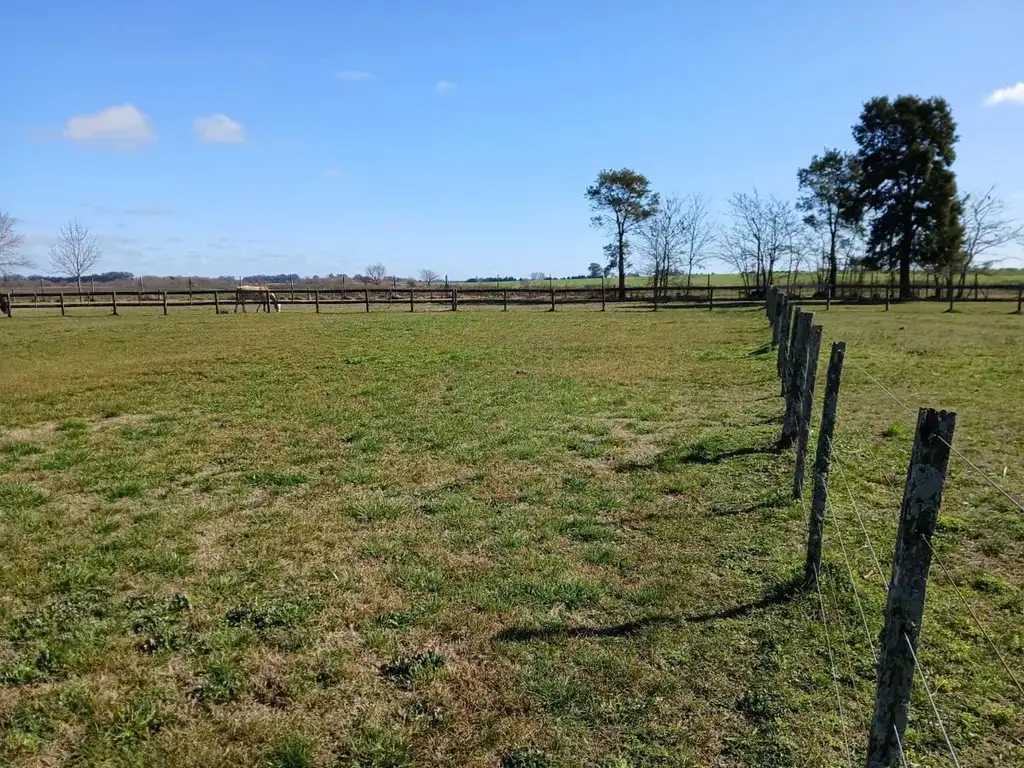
(907, 185)
(829, 202)
(623, 200)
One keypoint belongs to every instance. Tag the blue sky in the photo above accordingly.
(225, 137)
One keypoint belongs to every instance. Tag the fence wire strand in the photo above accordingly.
(832, 664)
(853, 502)
(931, 700)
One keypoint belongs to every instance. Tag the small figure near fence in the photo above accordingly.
(260, 295)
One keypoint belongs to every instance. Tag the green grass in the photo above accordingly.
(522, 539)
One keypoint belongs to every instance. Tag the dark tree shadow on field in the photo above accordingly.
(780, 593)
(704, 457)
(760, 351)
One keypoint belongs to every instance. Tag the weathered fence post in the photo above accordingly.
(806, 405)
(823, 462)
(113, 302)
(190, 291)
(10, 304)
(455, 299)
(922, 498)
(603, 296)
(1020, 300)
(62, 303)
(316, 300)
(787, 361)
(504, 299)
(412, 299)
(711, 294)
(797, 374)
(165, 302)
(291, 289)
(975, 286)
(140, 290)
(366, 297)
(216, 303)
(552, 300)
(785, 318)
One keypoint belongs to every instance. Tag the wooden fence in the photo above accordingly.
(455, 297)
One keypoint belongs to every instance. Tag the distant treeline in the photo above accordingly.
(102, 277)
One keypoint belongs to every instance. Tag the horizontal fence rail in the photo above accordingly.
(453, 297)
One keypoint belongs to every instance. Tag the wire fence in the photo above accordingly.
(852, 564)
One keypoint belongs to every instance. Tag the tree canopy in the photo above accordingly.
(907, 185)
(829, 200)
(623, 199)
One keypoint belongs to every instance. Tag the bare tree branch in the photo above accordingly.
(75, 252)
(663, 237)
(986, 228)
(700, 228)
(10, 246)
(376, 272)
(762, 232)
(429, 277)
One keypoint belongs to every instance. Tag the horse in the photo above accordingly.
(261, 295)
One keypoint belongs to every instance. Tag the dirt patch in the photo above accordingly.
(44, 430)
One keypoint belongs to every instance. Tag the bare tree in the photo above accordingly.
(700, 234)
(762, 232)
(10, 246)
(663, 239)
(429, 277)
(986, 228)
(75, 252)
(376, 272)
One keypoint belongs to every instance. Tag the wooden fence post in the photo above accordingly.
(412, 298)
(785, 319)
(165, 302)
(366, 297)
(455, 299)
(922, 498)
(823, 462)
(316, 300)
(603, 295)
(140, 290)
(1020, 300)
(190, 291)
(975, 286)
(62, 303)
(113, 302)
(504, 299)
(552, 299)
(10, 304)
(797, 372)
(291, 289)
(711, 294)
(806, 406)
(216, 303)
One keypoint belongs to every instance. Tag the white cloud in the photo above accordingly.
(218, 129)
(355, 76)
(124, 124)
(445, 86)
(332, 173)
(1011, 93)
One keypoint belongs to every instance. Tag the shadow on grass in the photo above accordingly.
(781, 593)
(760, 351)
(777, 500)
(701, 452)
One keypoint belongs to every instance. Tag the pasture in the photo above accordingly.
(526, 539)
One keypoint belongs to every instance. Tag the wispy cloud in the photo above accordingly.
(445, 86)
(332, 173)
(355, 76)
(218, 129)
(1013, 94)
(119, 125)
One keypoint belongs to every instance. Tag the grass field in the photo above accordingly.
(526, 539)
